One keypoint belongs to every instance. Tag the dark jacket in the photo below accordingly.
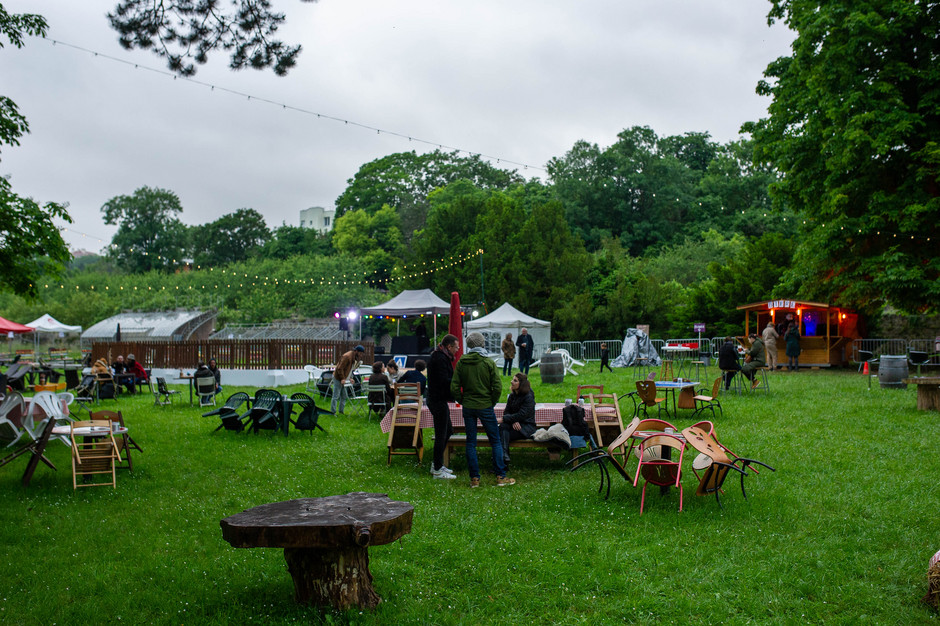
(347, 363)
(388, 397)
(757, 352)
(526, 346)
(217, 373)
(793, 342)
(521, 409)
(414, 376)
(476, 384)
(728, 356)
(135, 368)
(440, 371)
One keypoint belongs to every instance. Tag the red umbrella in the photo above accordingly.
(455, 325)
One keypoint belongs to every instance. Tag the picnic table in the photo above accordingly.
(325, 541)
(928, 392)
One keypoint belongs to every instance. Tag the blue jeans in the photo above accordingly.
(488, 417)
(338, 404)
(524, 364)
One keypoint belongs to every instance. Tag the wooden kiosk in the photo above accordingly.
(825, 331)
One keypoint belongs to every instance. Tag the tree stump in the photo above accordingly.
(325, 541)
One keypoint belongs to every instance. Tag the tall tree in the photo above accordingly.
(288, 241)
(150, 236)
(853, 129)
(232, 237)
(186, 31)
(30, 243)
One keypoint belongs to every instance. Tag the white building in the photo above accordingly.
(318, 218)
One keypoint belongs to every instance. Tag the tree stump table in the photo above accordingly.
(325, 541)
(928, 392)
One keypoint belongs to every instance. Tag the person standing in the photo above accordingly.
(605, 358)
(728, 361)
(793, 348)
(526, 348)
(770, 337)
(343, 370)
(518, 420)
(509, 353)
(477, 386)
(753, 359)
(440, 373)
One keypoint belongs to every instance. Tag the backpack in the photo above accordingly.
(572, 418)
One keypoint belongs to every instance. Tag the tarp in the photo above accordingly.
(6, 326)
(636, 344)
(49, 324)
(509, 319)
(410, 302)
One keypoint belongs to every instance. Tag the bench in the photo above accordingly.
(460, 441)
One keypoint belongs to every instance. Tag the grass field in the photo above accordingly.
(840, 534)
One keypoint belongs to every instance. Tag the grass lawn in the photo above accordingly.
(840, 534)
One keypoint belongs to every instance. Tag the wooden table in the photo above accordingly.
(928, 392)
(325, 541)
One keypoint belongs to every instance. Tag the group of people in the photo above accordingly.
(526, 349)
(128, 374)
(213, 368)
(762, 353)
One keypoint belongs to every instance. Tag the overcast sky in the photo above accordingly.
(520, 80)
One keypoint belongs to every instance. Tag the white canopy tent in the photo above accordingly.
(411, 302)
(509, 319)
(48, 324)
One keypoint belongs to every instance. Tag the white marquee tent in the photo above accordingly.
(411, 302)
(509, 319)
(49, 324)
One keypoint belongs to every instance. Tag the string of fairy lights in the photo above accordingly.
(234, 279)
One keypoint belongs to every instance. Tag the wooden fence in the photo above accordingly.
(252, 354)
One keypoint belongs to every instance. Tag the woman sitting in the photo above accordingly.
(518, 420)
(378, 398)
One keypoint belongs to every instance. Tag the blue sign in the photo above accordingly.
(400, 360)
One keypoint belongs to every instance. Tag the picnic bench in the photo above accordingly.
(325, 541)
(928, 392)
(460, 441)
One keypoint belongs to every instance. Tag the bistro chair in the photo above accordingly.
(94, 456)
(205, 389)
(660, 469)
(124, 441)
(162, 395)
(228, 412)
(718, 463)
(602, 456)
(646, 391)
(377, 400)
(708, 402)
(918, 358)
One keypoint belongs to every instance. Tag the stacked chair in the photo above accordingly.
(405, 436)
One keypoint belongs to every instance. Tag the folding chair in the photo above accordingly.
(405, 435)
(605, 414)
(376, 399)
(94, 456)
(162, 395)
(205, 389)
(124, 441)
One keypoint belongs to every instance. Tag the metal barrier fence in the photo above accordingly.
(592, 349)
(878, 347)
(574, 348)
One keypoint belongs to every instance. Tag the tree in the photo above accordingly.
(374, 239)
(232, 237)
(853, 129)
(184, 30)
(149, 235)
(30, 243)
(289, 241)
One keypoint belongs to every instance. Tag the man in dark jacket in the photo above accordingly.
(476, 385)
(440, 372)
(728, 361)
(526, 348)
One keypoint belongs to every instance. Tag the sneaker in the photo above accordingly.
(474, 482)
(443, 469)
(755, 384)
(443, 475)
(503, 482)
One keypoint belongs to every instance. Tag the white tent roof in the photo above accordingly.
(49, 324)
(410, 302)
(505, 316)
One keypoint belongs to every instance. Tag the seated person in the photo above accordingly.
(416, 376)
(377, 398)
(100, 368)
(518, 420)
(121, 375)
(728, 361)
(753, 360)
(214, 368)
(118, 366)
(392, 371)
(135, 368)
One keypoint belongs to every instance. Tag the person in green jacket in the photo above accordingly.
(753, 360)
(477, 387)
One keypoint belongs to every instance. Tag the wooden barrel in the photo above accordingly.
(892, 370)
(552, 368)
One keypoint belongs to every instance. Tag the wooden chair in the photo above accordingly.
(657, 468)
(94, 456)
(708, 402)
(124, 441)
(646, 390)
(719, 464)
(405, 436)
(602, 457)
(605, 413)
(585, 390)
(665, 371)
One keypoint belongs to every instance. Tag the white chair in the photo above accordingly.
(46, 406)
(568, 360)
(12, 410)
(313, 375)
